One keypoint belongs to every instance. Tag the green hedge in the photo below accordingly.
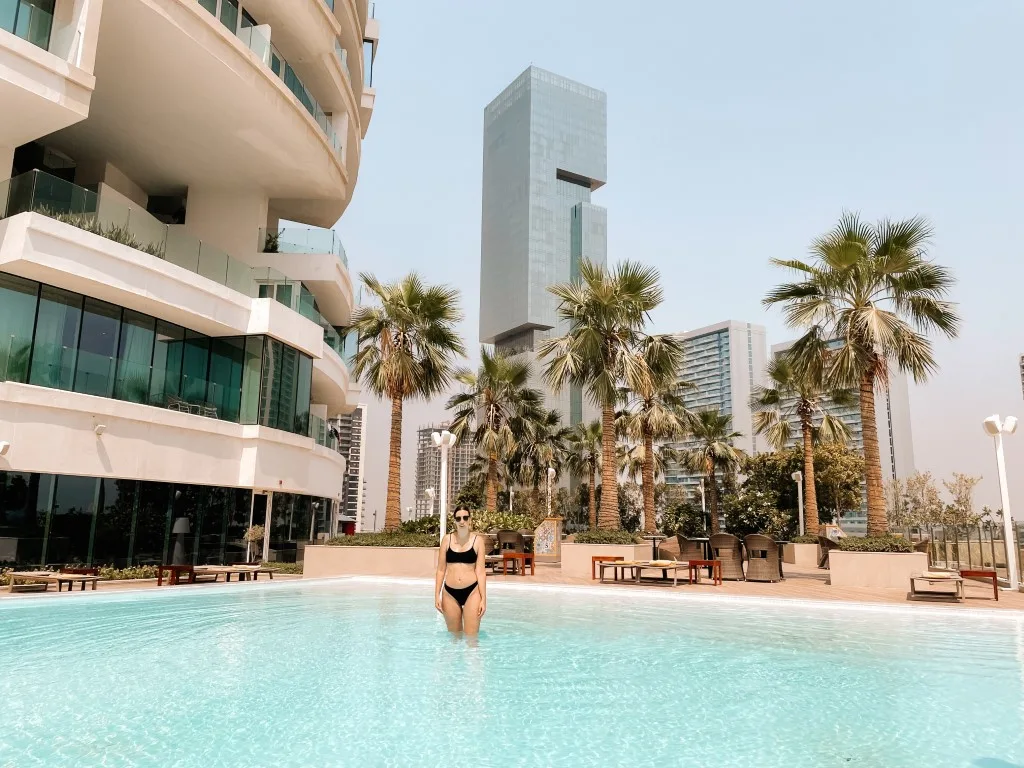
(606, 537)
(384, 539)
(283, 567)
(120, 574)
(875, 544)
(804, 540)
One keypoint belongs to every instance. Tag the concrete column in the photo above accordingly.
(6, 162)
(76, 27)
(231, 220)
(93, 171)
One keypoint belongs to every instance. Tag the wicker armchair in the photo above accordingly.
(924, 545)
(825, 545)
(508, 541)
(762, 558)
(669, 549)
(729, 550)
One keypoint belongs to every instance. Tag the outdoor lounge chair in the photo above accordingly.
(680, 548)
(509, 541)
(825, 545)
(762, 558)
(925, 545)
(728, 549)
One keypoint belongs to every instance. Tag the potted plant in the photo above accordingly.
(254, 543)
(801, 550)
(875, 561)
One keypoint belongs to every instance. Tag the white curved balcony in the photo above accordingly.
(171, 76)
(55, 431)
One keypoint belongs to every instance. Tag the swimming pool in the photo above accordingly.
(361, 672)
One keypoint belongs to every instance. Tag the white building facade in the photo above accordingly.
(173, 301)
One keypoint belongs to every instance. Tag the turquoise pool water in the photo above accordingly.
(350, 673)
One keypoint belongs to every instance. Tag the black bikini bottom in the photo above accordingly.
(461, 594)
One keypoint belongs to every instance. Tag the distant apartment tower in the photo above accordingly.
(352, 445)
(724, 362)
(428, 469)
(895, 440)
(545, 152)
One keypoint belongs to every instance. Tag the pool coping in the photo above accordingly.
(649, 593)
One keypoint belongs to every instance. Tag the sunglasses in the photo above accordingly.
(462, 518)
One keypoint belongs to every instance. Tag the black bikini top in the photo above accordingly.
(454, 556)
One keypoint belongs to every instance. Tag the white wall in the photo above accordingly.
(53, 431)
(231, 220)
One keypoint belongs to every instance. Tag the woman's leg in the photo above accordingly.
(471, 613)
(452, 611)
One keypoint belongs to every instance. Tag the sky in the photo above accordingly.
(737, 132)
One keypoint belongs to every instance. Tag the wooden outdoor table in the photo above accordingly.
(517, 557)
(714, 570)
(602, 559)
(618, 567)
(982, 573)
(176, 572)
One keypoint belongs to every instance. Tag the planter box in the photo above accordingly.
(888, 570)
(800, 554)
(576, 557)
(321, 560)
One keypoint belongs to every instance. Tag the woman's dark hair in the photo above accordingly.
(463, 508)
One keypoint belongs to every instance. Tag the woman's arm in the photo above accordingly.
(481, 572)
(439, 575)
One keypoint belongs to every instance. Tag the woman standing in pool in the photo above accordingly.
(461, 569)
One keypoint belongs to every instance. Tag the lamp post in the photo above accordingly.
(444, 441)
(551, 476)
(430, 494)
(510, 495)
(798, 476)
(703, 504)
(996, 428)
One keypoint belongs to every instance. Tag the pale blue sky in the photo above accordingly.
(736, 132)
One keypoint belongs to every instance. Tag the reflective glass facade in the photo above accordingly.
(545, 151)
(57, 520)
(63, 340)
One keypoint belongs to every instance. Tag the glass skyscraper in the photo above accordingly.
(545, 152)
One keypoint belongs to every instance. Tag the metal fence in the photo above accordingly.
(974, 546)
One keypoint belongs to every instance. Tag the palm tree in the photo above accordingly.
(605, 311)
(540, 446)
(872, 288)
(407, 347)
(712, 432)
(583, 458)
(796, 390)
(654, 409)
(497, 404)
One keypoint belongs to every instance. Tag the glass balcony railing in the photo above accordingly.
(30, 20)
(302, 240)
(257, 42)
(342, 55)
(330, 4)
(291, 80)
(321, 432)
(116, 218)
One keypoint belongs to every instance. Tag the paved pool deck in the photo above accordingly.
(801, 583)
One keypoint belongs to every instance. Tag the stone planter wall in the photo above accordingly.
(888, 570)
(576, 557)
(322, 560)
(800, 554)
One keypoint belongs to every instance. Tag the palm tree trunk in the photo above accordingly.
(877, 524)
(393, 505)
(491, 493)
(810, 493)
(713, 493)
(609, 517)
(648, 480)
(591, 498)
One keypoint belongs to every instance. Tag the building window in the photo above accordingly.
(64, 340)
(368, 63)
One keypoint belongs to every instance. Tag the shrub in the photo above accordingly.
(385, 539)
(607, 537)
(482, 521)
(804, 540)
(684, 519)
(120, 574)
(888, 543)
(750, 511)
(283, 567)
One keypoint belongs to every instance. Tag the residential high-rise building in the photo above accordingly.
(428, 469)
(173, 300)
(352, 445)
(723, 362)
(545, 152)
(895, 440)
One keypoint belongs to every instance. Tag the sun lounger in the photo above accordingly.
(49, 577)
(664, 566)
(227, 571)
(934, 578)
